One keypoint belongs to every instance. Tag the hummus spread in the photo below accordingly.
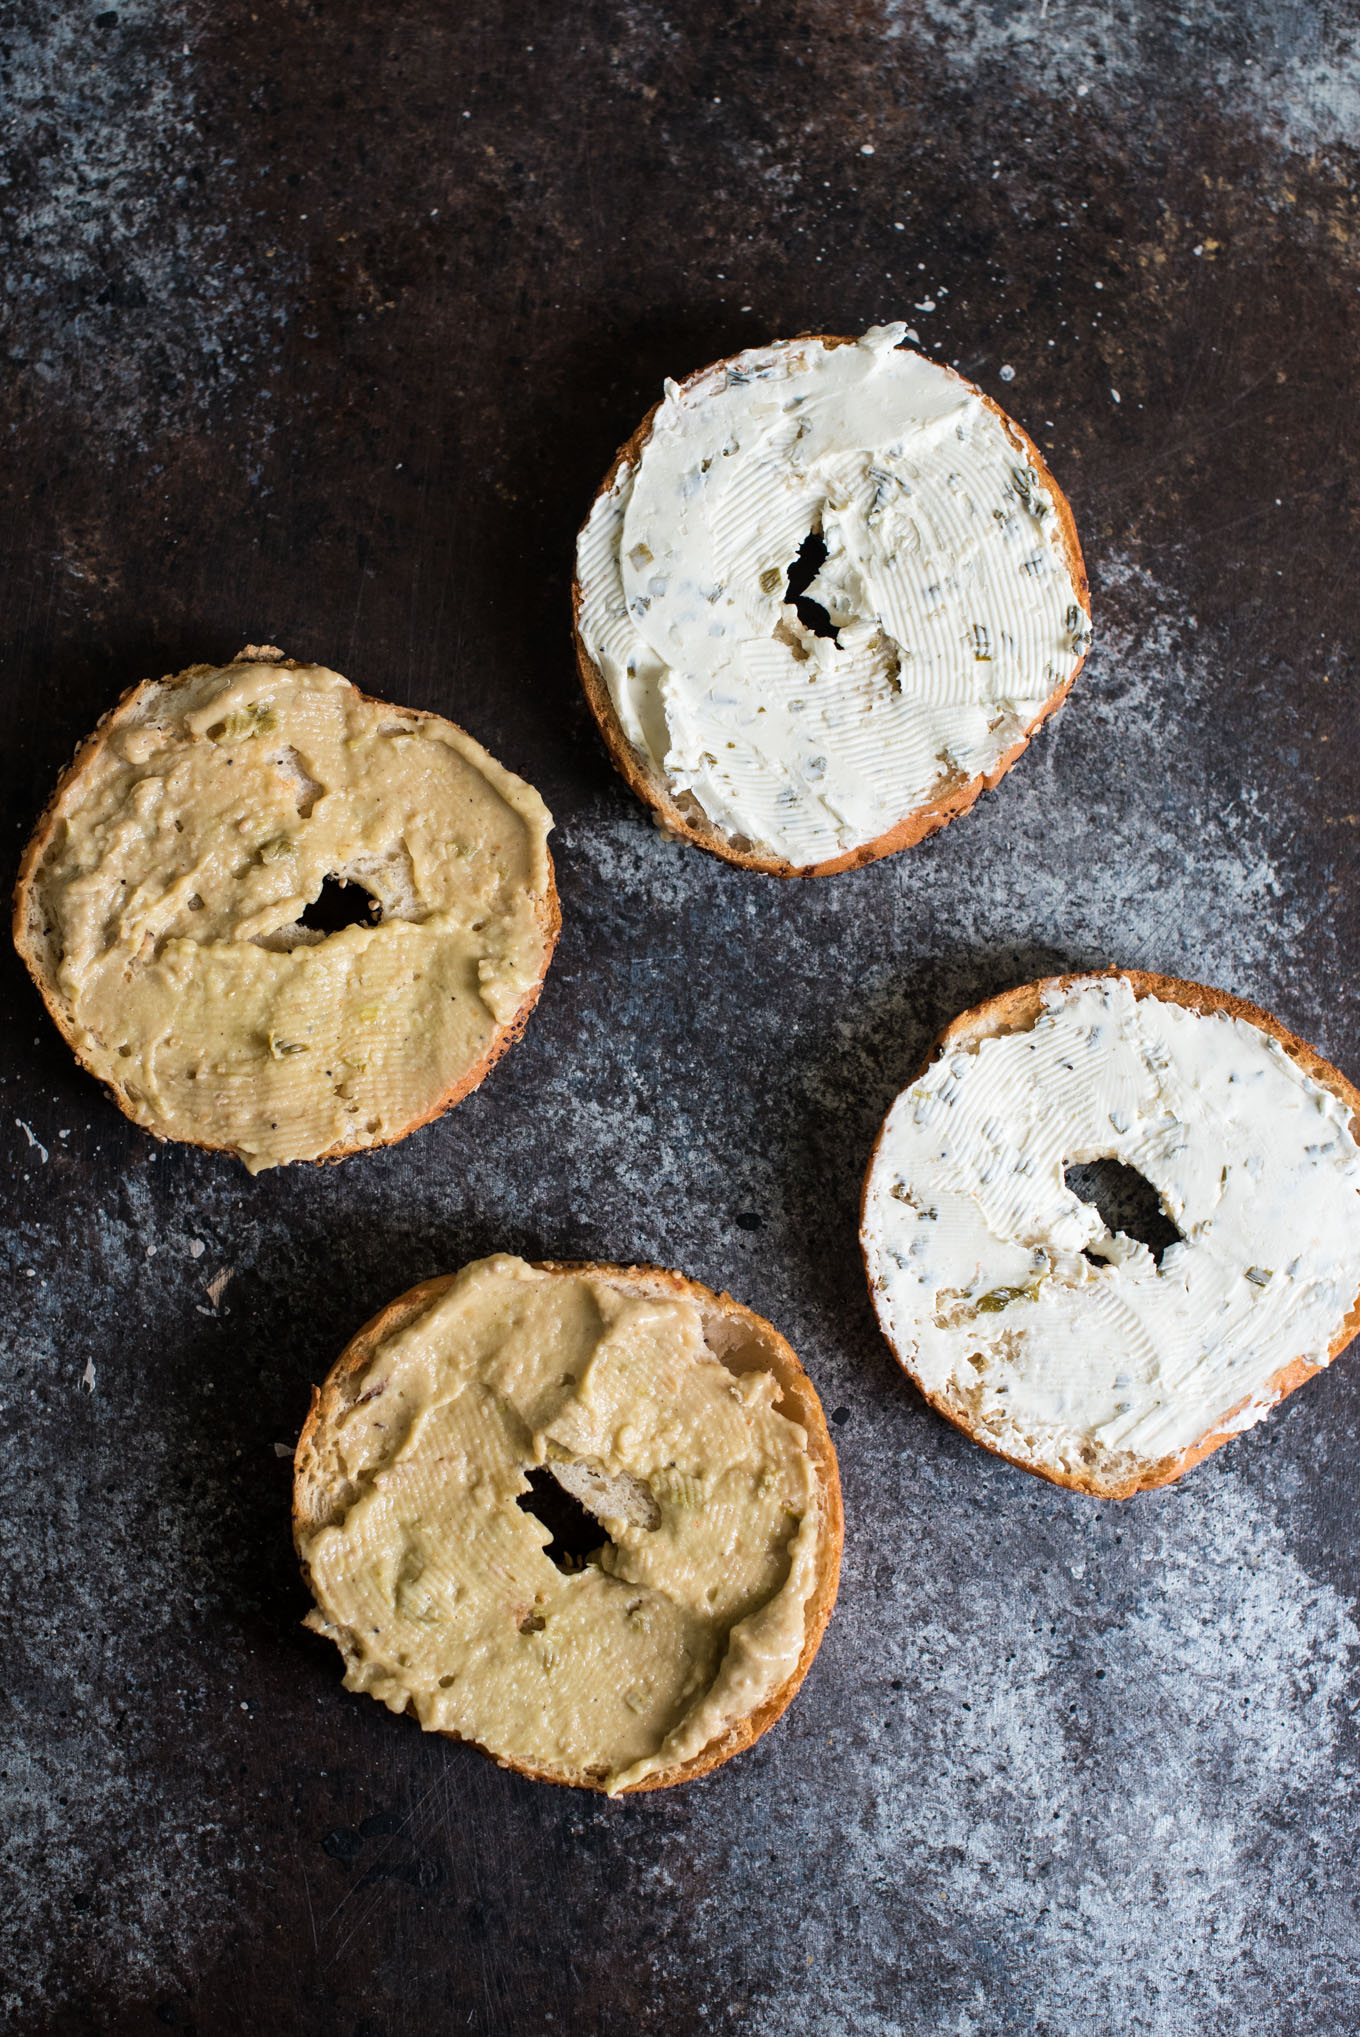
(1008, 1298)
(953, 614)
(434, 1582)
(181, 858)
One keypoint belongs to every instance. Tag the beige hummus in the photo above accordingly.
(164, 911)
(434, 1582)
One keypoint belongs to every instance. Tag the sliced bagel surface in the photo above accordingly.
(1050, 1334)
(165, 905)
(823, 599)
(685, 1427)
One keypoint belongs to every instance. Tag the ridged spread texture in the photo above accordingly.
(1016, 1309)
(956, 616)
(434, 1581)
(163, 916)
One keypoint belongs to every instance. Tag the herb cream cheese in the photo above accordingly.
(434, 1580)
(955, 610)
(1013, 1306)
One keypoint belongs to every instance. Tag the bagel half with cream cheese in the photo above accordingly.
(1060, 1341)
(679, 1420)
(161, 910)
(802, 726)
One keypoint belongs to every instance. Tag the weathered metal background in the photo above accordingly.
(321, 323)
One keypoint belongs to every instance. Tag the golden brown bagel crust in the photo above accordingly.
(1016, 1011)
(761, 1343)
(688, 822)
(29, 930)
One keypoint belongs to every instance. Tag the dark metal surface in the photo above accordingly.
(322, 322)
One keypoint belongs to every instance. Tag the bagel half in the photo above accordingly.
(1036, 520)
(1249, 1137)
(492, 1603)
(161, 910)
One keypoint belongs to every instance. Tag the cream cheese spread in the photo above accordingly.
(978, 1252)
(182, 857)
(434, 1581)
(955, 612)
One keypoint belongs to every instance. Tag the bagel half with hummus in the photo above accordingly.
(823, 599)
(162, 909)
(683, 1425)
(1059, 1340)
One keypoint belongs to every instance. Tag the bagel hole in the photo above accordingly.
(339, 905)
(804, 570)
(1124, 1200)
(576, 1534)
